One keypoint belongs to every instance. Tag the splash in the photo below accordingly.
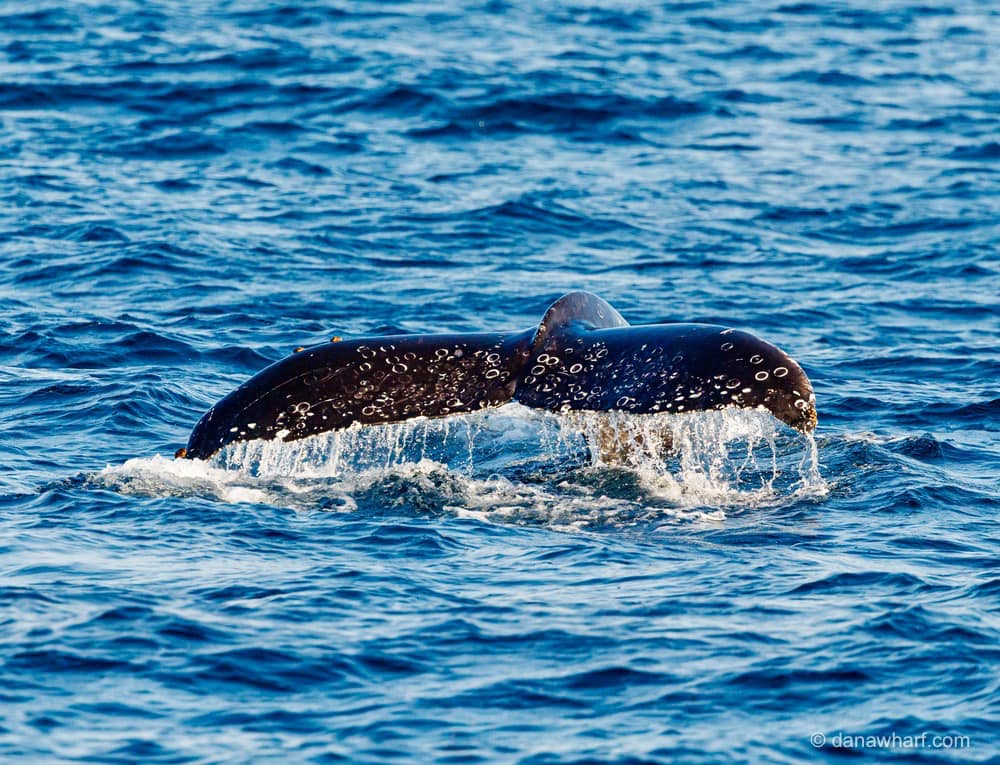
(726, 457)
(161, 476)
(512, 465)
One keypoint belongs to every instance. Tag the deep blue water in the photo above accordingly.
(189, 190)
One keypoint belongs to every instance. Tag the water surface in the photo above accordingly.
(191, 190)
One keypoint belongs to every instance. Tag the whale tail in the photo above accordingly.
(582, 356)
(591, 361)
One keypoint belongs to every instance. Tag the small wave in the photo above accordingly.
(182, 145)
(577, 113)
(833, 77)
(300, 166)
(990, 150)
(51, 20)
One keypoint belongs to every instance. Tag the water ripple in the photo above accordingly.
(190, 191)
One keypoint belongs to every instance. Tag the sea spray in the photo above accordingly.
(514, 464)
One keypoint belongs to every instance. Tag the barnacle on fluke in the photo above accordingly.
(582, 356)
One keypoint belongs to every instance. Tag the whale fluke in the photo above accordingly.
(582, 356)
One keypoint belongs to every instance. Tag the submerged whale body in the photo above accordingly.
(582, 356)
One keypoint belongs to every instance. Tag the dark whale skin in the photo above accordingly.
(583, 356)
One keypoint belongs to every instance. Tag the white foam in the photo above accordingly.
(163, 476)
(511, 465)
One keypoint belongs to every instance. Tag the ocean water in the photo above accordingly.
(190, 190)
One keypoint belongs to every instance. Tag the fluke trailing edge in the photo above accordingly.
(582, 356)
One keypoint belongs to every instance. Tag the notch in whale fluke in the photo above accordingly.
(582, 356)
